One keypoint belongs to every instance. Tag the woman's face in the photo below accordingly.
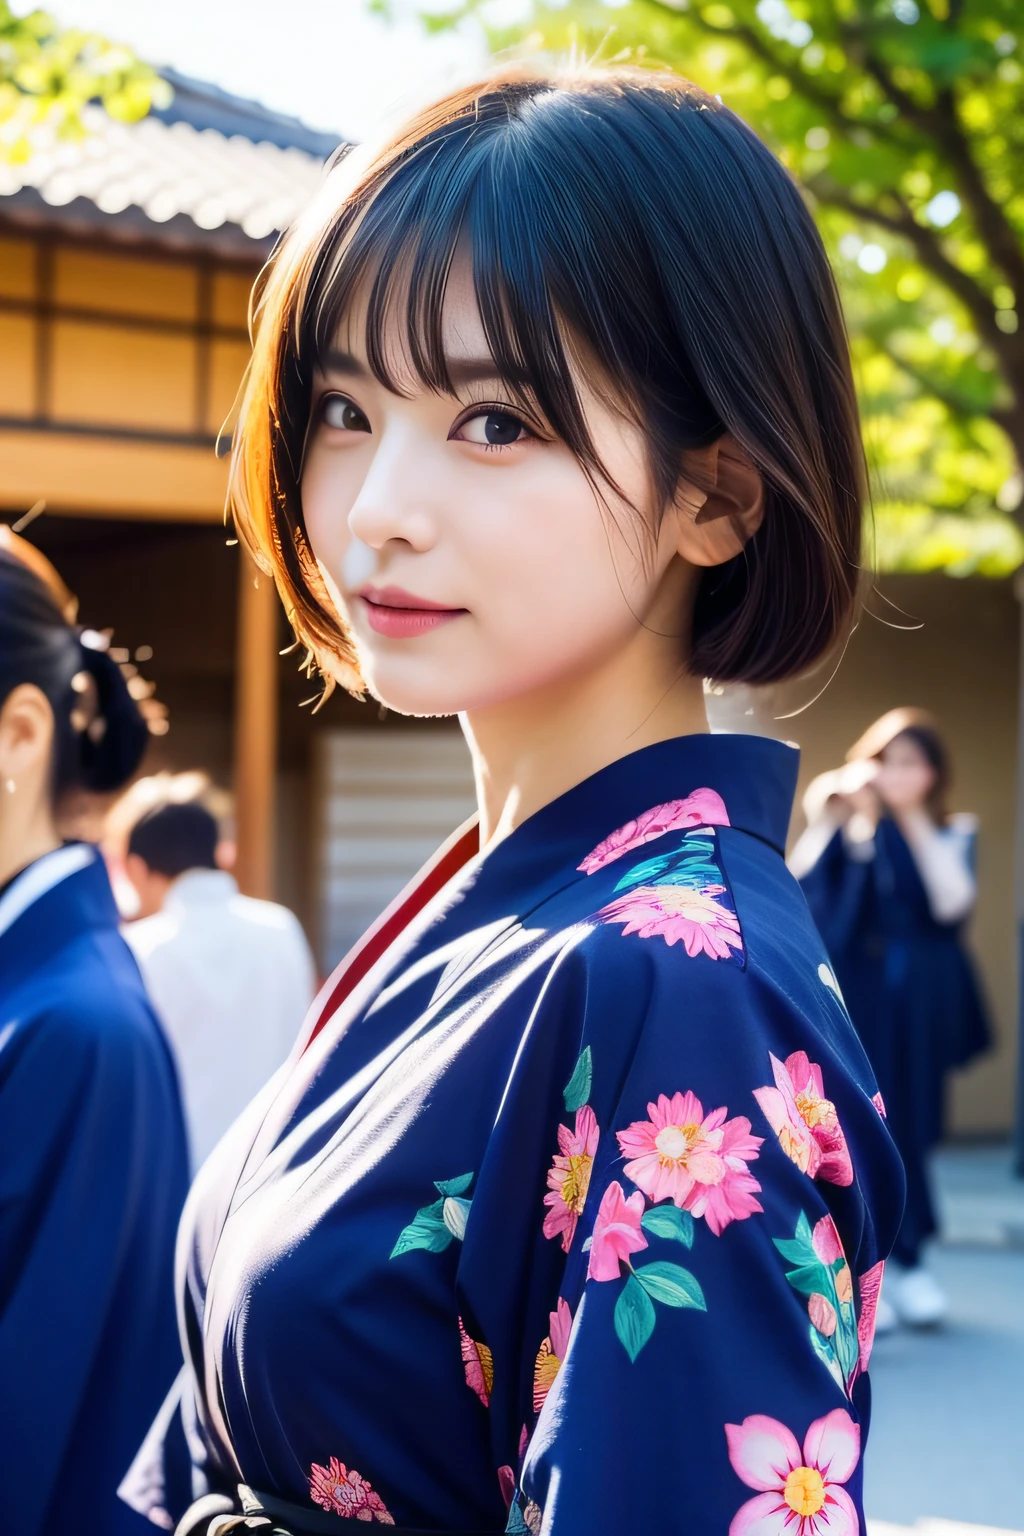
(465, 547)
(905, 777)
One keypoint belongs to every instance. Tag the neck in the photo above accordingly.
(529, 750)
(24, 837)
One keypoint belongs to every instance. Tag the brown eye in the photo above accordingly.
(339, 412)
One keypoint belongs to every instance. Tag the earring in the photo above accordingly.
(9, 786)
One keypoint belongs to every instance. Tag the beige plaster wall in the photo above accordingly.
(959, 660)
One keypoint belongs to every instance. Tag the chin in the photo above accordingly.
(432, 692)
(418, 697)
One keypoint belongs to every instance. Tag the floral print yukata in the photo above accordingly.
(569, 1214)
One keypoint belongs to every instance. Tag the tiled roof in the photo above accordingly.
(209, 163)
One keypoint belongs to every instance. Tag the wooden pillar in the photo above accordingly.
(255, 729)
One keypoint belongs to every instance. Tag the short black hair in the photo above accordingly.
(620, 217)
(173, 838)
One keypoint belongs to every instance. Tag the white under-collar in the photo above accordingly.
(40, 877)
(200, 888)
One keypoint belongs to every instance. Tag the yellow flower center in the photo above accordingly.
(674, 1142)
(577, 1181)
(804, 1491)
(813, 1110)
(796, 1151)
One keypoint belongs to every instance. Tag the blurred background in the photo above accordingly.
(149, 156)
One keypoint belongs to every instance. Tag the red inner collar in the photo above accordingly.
(449, 859)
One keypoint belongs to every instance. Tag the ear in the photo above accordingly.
(26, 732)
(714, 525)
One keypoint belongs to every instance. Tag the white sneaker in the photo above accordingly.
(918, 1298)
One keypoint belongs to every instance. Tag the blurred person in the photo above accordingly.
(231, 977)
(93, 1167)
(889, 877)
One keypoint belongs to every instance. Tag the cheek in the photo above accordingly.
(556, 575)
(329, 487)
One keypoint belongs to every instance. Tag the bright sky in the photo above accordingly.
(330, 62)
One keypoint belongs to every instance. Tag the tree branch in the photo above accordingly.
(827, 103)
(956, 403)
(929, 252)
(941, 123)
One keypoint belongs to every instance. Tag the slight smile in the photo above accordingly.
(400, 615)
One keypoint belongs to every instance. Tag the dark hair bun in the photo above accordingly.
(99, 732)
(112, 744)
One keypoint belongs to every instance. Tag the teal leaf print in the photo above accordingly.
(516, 1526)
(434, 1226)
(826, 1354)
(693, 864)
(820, 1272)
(634, 1317)
(454, 1186)
(577, 1089)
(800, 1248)
(669, 1221)
(671, 1284)
(426, 1230)
(810, 1279)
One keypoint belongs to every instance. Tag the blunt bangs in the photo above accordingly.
(622, 225)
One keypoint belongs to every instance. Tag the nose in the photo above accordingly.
(393, 501)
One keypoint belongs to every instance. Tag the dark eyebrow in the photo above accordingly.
(462, 370)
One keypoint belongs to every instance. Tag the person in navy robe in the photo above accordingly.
(888, 873)
(568, 1213)
(93, 1167)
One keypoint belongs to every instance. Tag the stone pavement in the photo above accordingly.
(946, 1453)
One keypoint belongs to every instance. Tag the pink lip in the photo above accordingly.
(401, 615)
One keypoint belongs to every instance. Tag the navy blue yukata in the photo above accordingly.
(93, 1175)
(568, 1214)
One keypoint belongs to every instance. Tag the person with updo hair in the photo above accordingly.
(93, 1169)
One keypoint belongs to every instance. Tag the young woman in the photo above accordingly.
(92, 1148)
(889, 875)
(568, 1213)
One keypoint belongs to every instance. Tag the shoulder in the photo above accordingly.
(266, 916)
(92, 1007)
(707, 957)
(148, 934)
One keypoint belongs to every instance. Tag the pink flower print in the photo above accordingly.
(551, 1354)
(800, 1493)
(336, 1488)
(680, 915)
(879, 1103)
(827, 1242)
(617, 1233)
(701, 809)
(870, 1287)
(805, 1121)
(507, 1484)
(569, 1176)
(822, 1314)
(698, 1161)
(478, 1364)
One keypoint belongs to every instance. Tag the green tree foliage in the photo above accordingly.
(904, 120)
(47, 75)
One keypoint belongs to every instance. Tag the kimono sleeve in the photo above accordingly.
(703, 1369)
(91, 1145)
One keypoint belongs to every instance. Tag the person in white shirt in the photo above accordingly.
(231, 977)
